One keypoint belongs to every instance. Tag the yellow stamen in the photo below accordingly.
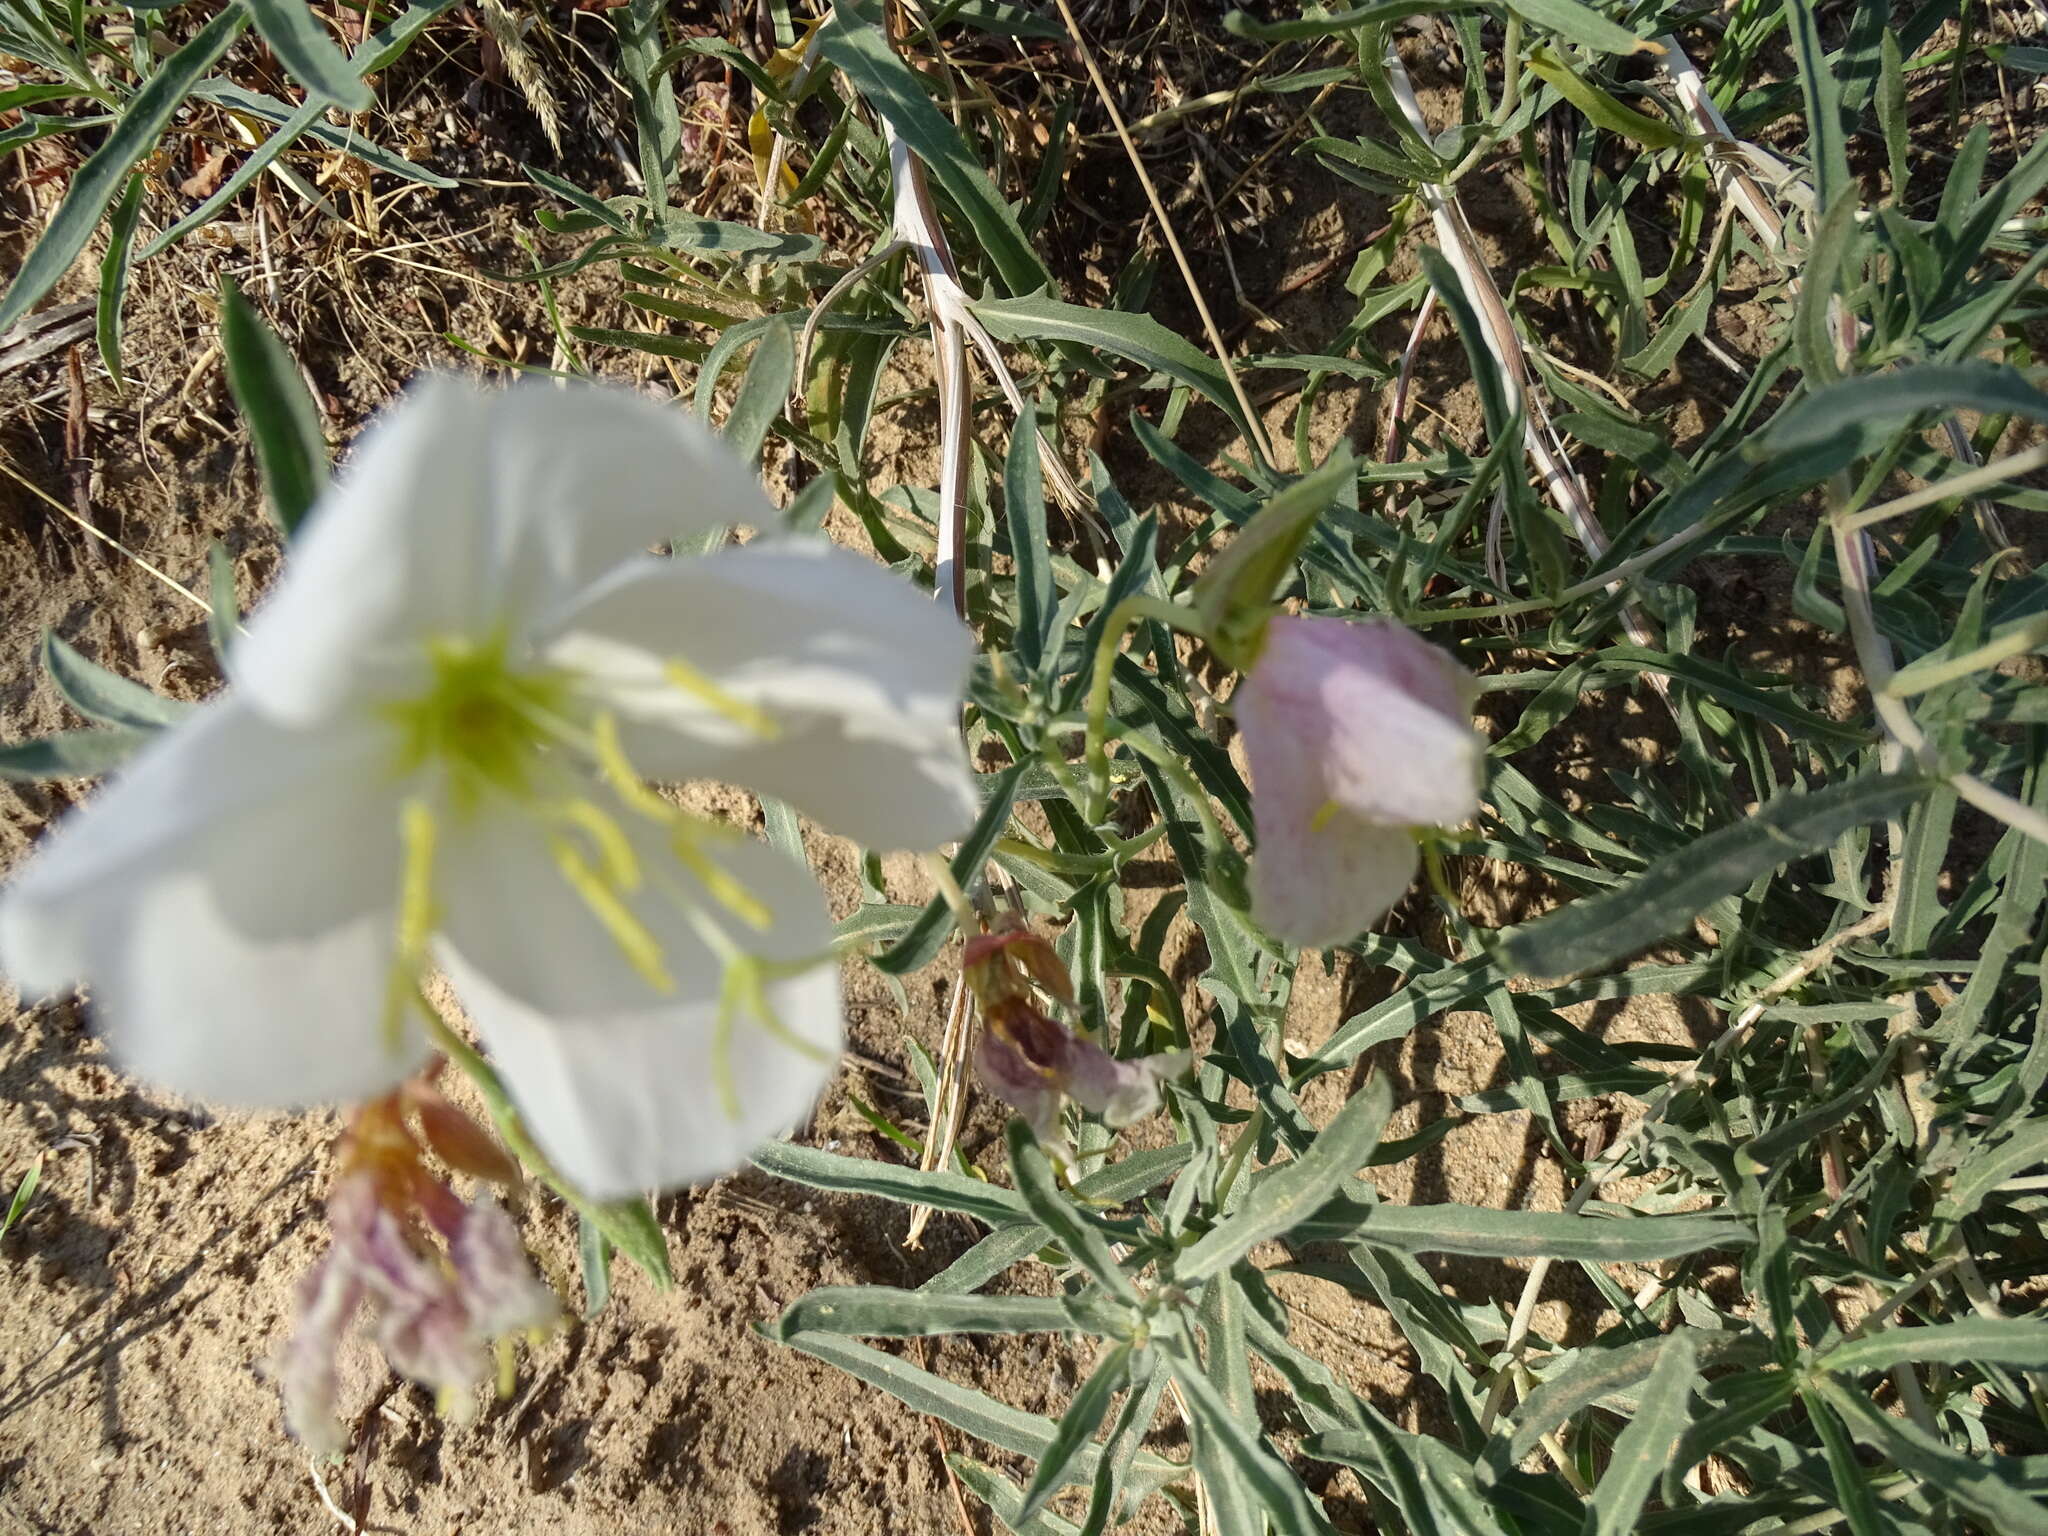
(640, 947)
(1324, 815)
(721, 1043)
(621, 868)
(689, 833)
(748, 717)
(508, 1368)
(723, 886)
(618, 771)
(415, 913)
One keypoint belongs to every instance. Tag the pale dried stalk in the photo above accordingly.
(1560, 481)
(944, 1132)
(1726, 160)
(953, 327)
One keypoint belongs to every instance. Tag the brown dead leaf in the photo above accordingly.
(205, 181)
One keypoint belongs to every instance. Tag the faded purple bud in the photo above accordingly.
(495, 1276)
(1357, 733)
(436, 1315)
(1019, 1084)
(1032, 1062)
(1118, 1091)
(329, 1296)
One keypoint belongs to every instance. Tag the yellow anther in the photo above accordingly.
(508, 1368)
(729, 997)
(618, 772)
(748, 717)
(418, 835)
(1325, 814)
(621, 868)
(723, 886)
(640, 947)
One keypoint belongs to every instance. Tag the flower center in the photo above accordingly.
(480, 719)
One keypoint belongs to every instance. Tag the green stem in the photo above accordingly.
(1137, 606)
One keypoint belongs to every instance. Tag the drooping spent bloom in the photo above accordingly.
(1358, 734)
(1031, 1060)
(437, 1314)
(432, 753)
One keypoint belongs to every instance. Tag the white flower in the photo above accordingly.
(1357, 733)
(432, 753)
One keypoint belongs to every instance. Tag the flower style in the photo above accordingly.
(433, 753)
(1032, 1061)
(1357, 733)
(437, 1317)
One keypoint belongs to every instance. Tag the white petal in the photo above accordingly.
(229, 900)
(618, 1082)
(387, 555)
(1325, 886)
(861, 674)
(469, 512)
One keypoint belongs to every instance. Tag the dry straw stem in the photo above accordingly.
(1560, 481)
(1261, 443)
(107, 539)
(1726, 157)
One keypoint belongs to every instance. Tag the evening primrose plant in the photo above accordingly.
(1688, 677)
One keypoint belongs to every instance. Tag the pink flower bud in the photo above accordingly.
(1357, 734)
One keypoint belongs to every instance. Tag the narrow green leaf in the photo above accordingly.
(1827, 143)
(1235, 592)
(309, 54)
(220, 592)
(1289, 1195)
(24, 1192)
(882, 1311)
(1593, 1374)
(1040, 1191)
(594, 1258)
(1598, 105)
(1579, 24)
(1646, 1441)
(1987, 1167)
(252, 166)
(284, 424)
(860, 49)
(657, 122)
(764, 391)
(971, 1412)
(1486, 1233)
(1078, 1424)
(93, 185)
(1137, 338)
(1595, 930)
(1030, 546)
(864, 1176)
(2019, 1344)
(1005, 1500)
(71, 754)
(1321, 24)
(1827, 263)
(106, 696)
(347, 140)
(1981, 1485)
(114, 276)
(927, 936)
(1248, 1465)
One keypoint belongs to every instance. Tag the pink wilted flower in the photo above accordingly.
(436, 1316)
(1031, 1060)
(1357, 733)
